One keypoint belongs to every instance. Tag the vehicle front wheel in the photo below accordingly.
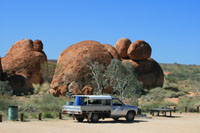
(130, 116)
(79, 118)
(94, 118)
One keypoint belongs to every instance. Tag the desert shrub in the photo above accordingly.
(48, 115)
(5, 101)
(51, 103)
(190, 102)
(5, 88)
(158, 94)
(147, 106)
(41, 89)
(155, 98)
(29, 107)
(45, 103)
(182, 72)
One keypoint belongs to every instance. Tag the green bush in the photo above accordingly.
(158, 94)
(155, 98)
(41, 89)
(5, 88)
(5, 101)
(147, 106)
(181, 73)
(43, 103)
(47, 104)
(48, 115)
(190, 102)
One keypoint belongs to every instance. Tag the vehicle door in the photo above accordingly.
(117, 108)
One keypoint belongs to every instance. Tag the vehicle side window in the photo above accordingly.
(94, 102)
(116, 102)
(106, 101)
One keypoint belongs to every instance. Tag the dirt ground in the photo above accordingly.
(180, 123)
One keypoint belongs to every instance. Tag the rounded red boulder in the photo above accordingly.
(22, 65)
(149, 72)
(73, 64)
(139, 50)
(122, 46)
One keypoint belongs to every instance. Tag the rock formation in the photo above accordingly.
(113, 52)
(73, 75)
(139, 53)
(22, 64)
(72, 65)
(149, 72)
(139, 50)
(122, 46)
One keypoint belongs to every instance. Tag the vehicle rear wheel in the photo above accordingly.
(79, 118)
(95, 118)
(130, 116)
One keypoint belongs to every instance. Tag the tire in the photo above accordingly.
(130, 116)
(94, 118)
(79, 118)
(116, 118)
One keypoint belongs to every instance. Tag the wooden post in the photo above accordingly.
(174, 109)
(22, 117)
(158, 113)
(197, 109)
(165, 113)
(186, 109)
(152, 113)
(170, 113)
(1, 116)
(60, 116)
(40, 116)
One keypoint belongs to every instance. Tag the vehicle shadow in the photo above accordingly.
(115, 122)
(163, 116)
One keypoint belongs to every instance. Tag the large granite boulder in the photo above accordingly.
(139, 50)
(22, 65)
(122, 46)
(113, 52)
(149, 72)
(73, 65)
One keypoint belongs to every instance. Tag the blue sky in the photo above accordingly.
(171, 27)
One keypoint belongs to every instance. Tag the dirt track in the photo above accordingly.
(181, 123)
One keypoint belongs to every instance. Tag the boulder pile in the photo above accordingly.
(72, 72)
(22, 65)
(138, 54)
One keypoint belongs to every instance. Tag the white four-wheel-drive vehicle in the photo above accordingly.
(95, 107)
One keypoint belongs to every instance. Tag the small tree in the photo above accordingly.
(97, 71)
(5, 88)
(123, 79)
